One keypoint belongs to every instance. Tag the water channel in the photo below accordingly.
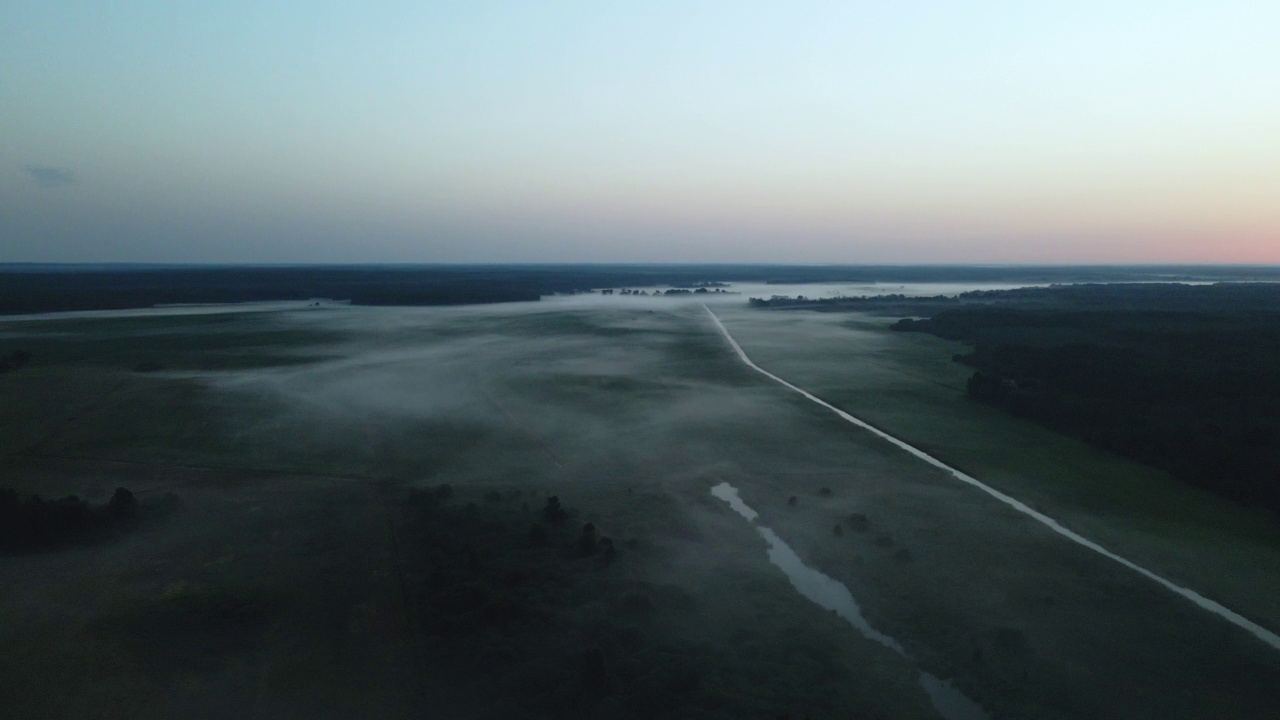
(830, 594)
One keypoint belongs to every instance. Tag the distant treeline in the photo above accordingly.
(32, 522)
(894, 302)
(1184, 378)
(51, 288)
(52, 291)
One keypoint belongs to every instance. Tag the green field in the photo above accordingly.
(907, 385)
(291, 577)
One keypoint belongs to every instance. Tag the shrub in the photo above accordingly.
(553, 512)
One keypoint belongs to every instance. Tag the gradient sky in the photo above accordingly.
(845, 132)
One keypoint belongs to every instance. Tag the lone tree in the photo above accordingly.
(553, 512)
(123, 504)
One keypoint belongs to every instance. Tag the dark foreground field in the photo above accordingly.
(383, 512)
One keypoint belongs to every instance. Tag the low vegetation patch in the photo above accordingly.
(528, 610)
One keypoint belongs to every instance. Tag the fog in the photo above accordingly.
(597, 379)
(415, 502)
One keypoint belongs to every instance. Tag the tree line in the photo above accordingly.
(1183, 378)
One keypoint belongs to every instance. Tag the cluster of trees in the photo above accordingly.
(528, 610)
(893, 301)
(32, 522)
(1184, 378)
(1230, 297)
(489, 594)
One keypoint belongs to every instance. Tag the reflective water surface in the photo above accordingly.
(831, 594)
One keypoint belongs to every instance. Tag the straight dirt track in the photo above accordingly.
(1261, 633)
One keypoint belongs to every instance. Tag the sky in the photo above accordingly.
(732, 131)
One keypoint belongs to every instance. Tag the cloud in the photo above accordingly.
(50, 176)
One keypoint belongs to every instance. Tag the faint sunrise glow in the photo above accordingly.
(841, 132)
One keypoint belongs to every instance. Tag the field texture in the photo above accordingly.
(382, 512)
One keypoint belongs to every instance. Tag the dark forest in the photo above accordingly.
(1184, 378)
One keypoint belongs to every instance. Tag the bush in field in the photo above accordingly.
(554, 512)
(123, 504)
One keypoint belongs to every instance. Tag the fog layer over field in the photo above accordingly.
(294, 439)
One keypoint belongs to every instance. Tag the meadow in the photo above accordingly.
(357, 522)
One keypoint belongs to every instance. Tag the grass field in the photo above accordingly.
(292, 579)
(906, 384)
